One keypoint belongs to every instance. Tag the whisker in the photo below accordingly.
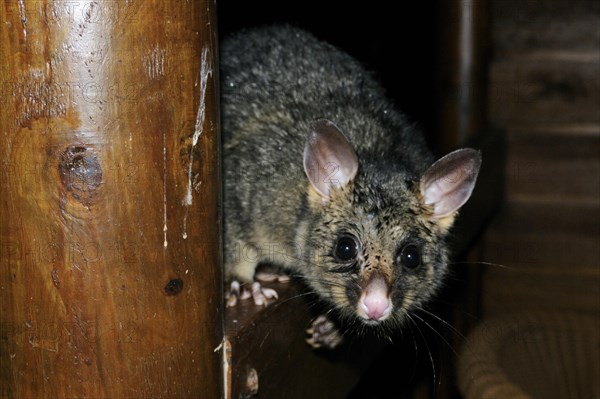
(427, 346)
(320, 280)
(278, 303)
(437, 333)
(411, 322)
(450, 326)
(471, 316)
(483, 263)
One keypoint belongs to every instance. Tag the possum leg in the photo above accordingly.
(261, 295)
(323, 333)
(244, 285)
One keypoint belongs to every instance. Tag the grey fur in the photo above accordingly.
(275, 83)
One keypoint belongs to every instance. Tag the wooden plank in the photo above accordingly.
(511, 247)
(560, 164)
(543, 255)
(109, 285)
(544, 88)
(271, 341)
(527, 215)
(551, 289)
(545, 24)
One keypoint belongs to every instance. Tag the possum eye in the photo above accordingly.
(410, 256)
(346, 248)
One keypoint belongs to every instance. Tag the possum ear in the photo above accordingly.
(449, 182)
(329, 159)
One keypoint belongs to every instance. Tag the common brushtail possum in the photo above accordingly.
(325, 178)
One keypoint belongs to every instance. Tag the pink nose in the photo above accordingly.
(376, 305)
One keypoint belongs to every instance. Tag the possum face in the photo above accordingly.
(377, 249)
(375, 258)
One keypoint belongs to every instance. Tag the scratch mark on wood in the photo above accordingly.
(23, 13)
(55, 279)
(36, 97)
(205, 72)
(155, 63)
(165, 243)
(226, 368)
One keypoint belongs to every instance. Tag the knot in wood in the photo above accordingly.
(80, 173)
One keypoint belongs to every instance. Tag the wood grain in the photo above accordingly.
(544, 88)
(463, 53)
(110, 284)
(560, 164)
(543, 250)
(549, 24)
(271, 341)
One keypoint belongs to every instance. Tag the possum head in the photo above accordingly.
(375, 245)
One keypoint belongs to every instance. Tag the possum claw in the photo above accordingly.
(232, 296)
(260, 295)
(323, 333)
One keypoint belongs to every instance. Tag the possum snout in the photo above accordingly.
(375, 303)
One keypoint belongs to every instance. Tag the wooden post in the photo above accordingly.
(462, 72)
(110, 279)
(462, 121)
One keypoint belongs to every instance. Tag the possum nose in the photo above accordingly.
(376, 307)
(374, 302)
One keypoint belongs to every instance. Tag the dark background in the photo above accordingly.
(396, 40)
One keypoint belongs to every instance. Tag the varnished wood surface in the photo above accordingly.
(545, 88)
(271, 341)
(461, 73)
(110, 283)
(544, 247)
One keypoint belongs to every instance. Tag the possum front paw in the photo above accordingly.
(261, 295)
(323, 333)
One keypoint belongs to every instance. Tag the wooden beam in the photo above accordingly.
(462, 66)
(110, 280)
